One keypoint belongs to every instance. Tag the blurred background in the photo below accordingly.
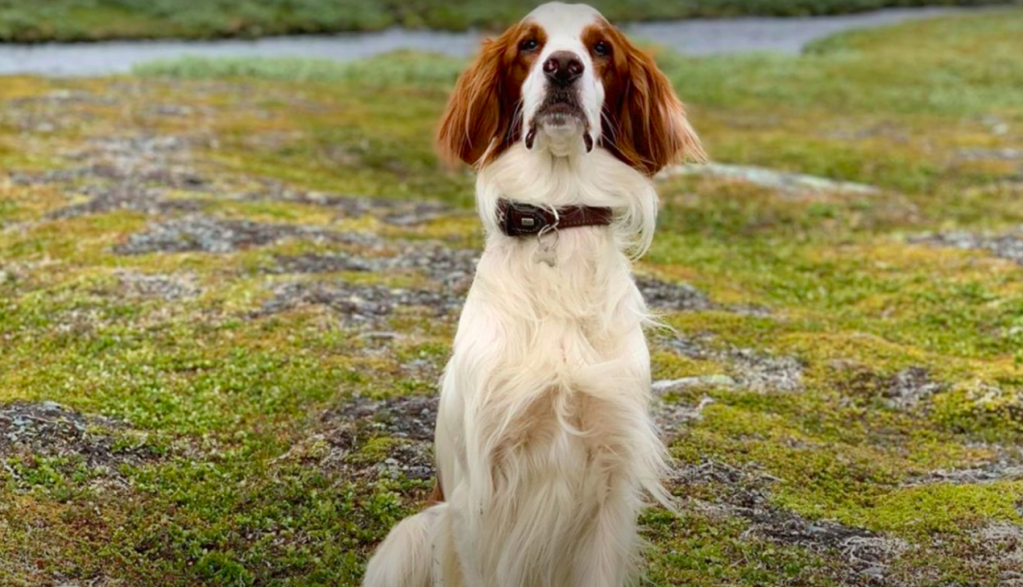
(94, 20)
(231, 268)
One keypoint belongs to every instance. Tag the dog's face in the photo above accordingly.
(565, 81)
(562, 97)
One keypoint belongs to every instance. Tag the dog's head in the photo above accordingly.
(566, 81)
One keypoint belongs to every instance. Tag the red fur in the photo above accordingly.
(480, 122)
(645, 124)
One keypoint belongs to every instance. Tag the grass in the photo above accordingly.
(403, 68)
(223, 442)
(93, 20)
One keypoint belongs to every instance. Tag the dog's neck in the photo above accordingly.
(588, 275)
(595, 179)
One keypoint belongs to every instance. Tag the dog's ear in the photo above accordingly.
(647, 127)
(475, 118)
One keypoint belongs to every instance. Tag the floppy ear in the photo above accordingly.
(474, 118)
(648, 128)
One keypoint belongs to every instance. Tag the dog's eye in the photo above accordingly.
(602, 49)
(528, 45)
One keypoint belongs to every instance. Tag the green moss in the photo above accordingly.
(377, 448)
(950, 508)
(984, 409)
(698, 550)
(397, 69)
(914, 512)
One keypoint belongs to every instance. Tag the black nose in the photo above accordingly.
(563, 67)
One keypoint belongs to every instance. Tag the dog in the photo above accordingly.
(545, 448)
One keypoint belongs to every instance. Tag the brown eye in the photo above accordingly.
(602, 49)
(528, 45)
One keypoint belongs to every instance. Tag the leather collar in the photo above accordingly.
(518, 219)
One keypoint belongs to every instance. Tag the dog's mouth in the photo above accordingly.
(562, 113)
(560, 108)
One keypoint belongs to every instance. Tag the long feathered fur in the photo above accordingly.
(545, 448)
(544, 443)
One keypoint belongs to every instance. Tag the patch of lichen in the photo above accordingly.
(849, 465)
(700, 549)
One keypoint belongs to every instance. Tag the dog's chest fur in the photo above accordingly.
(552, 376)
(559, 396)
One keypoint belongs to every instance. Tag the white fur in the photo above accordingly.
(564, 25)
(545, 448)
(403, 560)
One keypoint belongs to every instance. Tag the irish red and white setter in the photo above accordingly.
(545, 447)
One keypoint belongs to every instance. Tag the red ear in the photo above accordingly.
(648, 128)
(476, 120)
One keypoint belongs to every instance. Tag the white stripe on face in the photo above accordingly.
(564, 25)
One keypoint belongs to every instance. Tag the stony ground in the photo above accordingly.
(225, 303)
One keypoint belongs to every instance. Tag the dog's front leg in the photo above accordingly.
(608, 551)
(456, 562)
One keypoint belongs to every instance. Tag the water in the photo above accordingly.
(694, 37)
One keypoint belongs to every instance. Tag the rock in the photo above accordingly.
(454, 269)
(1006, 154)
(412, 417)
(759, 372)
(399, 212)
(904, 390)
(124, 173)
(1006, 246)
(169, 287)
(874, 572)
(671, 416)
(1004, 540)
(213, 235)
(312, 263)
(750, 369)
(358, 303)
(665, 385)
(745, 493)
(683, 297)
(126, 197)
(909, 387)
(680, 297)
(408, 421)
(380, 335)
(49, 430)
(990, 472)
(451, 268)
(785, 182)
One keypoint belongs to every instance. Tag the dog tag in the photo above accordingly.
(547, 255)
(547, 246)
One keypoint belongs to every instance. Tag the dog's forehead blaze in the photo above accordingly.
(564, 22)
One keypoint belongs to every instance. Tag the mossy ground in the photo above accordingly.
(239, 293)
